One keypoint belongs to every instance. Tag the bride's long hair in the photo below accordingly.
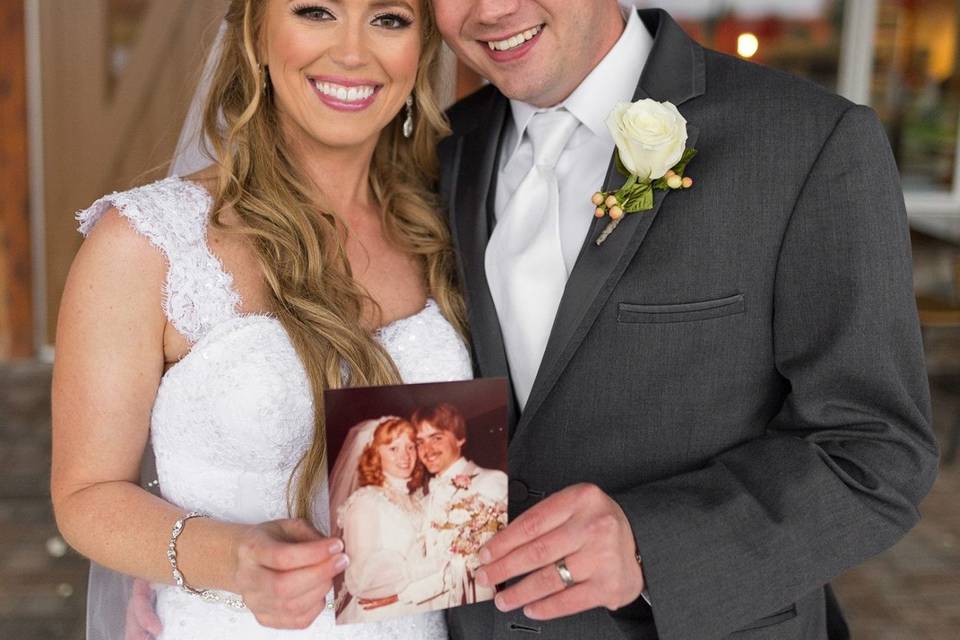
(299, 244)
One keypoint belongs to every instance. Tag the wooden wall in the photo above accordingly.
(16, 322)
(101, 135)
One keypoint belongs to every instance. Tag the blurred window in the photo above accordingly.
(916, 89)
(898, 56)
(802, 37)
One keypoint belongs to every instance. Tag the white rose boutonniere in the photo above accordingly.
(651, 151)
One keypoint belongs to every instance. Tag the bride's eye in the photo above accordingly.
(392, 21)
(313, 12)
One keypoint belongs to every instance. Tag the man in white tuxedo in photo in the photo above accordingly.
(441, 436)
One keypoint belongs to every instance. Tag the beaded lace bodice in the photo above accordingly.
(232, 418)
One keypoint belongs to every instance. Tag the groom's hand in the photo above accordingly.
(142, 621)
(588, 531)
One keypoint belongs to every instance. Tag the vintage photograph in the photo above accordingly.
(418, 484)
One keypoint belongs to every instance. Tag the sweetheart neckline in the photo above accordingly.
(243, 319)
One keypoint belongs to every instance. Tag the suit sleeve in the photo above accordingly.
(842, 467)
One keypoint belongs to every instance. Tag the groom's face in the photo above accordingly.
(536, 51)
(437, 448)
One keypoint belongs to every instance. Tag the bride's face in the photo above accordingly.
(399, 457)
(341, 70)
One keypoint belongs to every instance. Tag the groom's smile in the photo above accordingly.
(437, 448)
(535, 51)
(515, 46)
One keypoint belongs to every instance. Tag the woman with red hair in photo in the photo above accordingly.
(381, 524)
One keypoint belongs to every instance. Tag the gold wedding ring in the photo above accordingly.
(565, 574)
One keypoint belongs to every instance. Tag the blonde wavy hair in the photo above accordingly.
(299, 245)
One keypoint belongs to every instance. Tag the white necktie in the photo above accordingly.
(524, 259)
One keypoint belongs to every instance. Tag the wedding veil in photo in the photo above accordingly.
(108, 592)
(344, 479)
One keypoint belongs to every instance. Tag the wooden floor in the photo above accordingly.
(911, 592)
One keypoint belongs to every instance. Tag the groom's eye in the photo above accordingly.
(313, 12)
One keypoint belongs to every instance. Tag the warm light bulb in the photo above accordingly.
(747, 45)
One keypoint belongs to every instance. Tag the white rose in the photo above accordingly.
(651, 136)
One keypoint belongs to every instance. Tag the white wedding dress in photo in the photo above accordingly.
(232, 418)
(382, 530)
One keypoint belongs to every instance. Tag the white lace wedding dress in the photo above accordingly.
(232, 418)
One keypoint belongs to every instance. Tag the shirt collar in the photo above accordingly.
(612, 81)
(454, 469)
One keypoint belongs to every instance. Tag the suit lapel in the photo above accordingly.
(674, 72)
(476, 156)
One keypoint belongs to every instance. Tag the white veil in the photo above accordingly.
(344, 479)
(108, 593)
(191, 154)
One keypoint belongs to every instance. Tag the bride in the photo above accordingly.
(377, 496)
(208, 314)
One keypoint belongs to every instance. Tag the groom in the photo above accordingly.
(441, 436)
(723, 406)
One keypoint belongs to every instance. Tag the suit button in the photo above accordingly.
(519, 492)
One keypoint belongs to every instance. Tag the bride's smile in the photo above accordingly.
(344, 94)
(340, 70)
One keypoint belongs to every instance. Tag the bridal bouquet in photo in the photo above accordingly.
(475, 521)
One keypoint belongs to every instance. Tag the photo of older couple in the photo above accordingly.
(416, 488)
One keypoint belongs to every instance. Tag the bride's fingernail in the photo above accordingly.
(336, 547)
(498, 601)
(481, 577)
(484, 556)
(341, 562)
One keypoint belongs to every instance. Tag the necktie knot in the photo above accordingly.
(549, 132)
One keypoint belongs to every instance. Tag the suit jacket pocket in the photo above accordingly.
(685, 312)
(763, 625)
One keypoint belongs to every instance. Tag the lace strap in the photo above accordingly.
(172, 214)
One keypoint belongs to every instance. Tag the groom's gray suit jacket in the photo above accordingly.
(739, 368)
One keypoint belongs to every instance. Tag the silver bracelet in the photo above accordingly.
(206, 594)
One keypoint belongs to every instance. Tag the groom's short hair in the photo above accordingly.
(442, 416)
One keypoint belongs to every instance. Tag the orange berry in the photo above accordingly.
(674, 181)
(687, 182)
(599, 212)
(597, 199)
(616, 213)
(611, 201)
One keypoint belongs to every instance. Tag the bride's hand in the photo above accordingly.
(284, 570)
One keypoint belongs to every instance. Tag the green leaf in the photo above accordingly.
(638, 197)
(647, 202)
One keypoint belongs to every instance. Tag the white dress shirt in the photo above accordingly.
(583, 164)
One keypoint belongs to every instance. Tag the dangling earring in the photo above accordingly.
(408, 122)
(264, 75)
